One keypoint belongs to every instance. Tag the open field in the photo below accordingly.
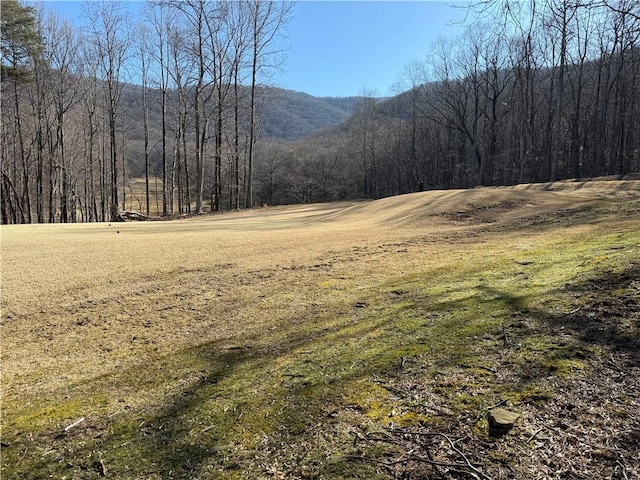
(346, 340)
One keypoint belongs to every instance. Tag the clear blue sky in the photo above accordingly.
(339, 48)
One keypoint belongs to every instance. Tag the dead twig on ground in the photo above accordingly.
(74, 424)
(399, 437)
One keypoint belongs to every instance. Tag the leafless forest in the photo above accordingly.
(533, 91)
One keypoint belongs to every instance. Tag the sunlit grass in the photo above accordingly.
(246, 344)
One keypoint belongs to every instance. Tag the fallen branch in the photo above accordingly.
(74, 424)
(103, 467)
(623, 470)
(464, 457)
(611, 363)
(408, 456)
(131, 215)
(534, 435)
(416, 458)
(499, 404)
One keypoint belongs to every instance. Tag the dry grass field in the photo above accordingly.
(347, 340)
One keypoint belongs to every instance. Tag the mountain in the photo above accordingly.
(290, 115)
(286, 114)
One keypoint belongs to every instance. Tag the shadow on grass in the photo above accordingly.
(245, 395)
(277, 384)
(606, 314)
(593, 212)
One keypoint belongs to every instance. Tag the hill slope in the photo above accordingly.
(290, 115)
(346, 340)
(287, 115)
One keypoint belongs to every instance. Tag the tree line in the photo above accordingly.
(65, 134)
(544, 90)
(547, 89)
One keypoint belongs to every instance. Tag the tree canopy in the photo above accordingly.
(21, 40)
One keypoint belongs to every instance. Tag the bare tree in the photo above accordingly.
(455, 103)
(180, 68)
(629, 8)
(41, 113)
(109, 36)
(579, 56)
(90, 107)
(364, 130)
(196, 12)
(62, 52)
(239, 27)
(267, 20)
(161, 18)
(411, 83)
(143, 55)
(220, 46)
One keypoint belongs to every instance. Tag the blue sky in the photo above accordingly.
(340, 48)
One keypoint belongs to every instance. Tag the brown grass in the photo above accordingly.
(119, 323)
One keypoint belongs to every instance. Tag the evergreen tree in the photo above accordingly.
(21, 41)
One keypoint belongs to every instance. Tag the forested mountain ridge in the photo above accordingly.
(493, 108)
(284, 114)
(290, 115)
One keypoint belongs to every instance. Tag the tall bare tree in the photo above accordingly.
(180, 66)
(239, 26)
(365, 127)
(196, 13)
(109, 35)
(267, 19)
(62, 53)
(161, 18)
(143, 48)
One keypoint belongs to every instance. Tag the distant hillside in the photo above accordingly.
(286, 114)
(290, 115)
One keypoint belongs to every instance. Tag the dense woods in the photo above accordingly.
(70, 114)
(546, 90)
